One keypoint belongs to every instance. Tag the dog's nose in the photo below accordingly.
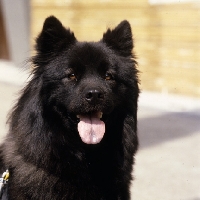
(94, 95)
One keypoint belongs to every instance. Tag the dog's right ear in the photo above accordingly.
(54, 37)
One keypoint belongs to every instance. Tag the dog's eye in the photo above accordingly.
(72, 77)
(108, 76)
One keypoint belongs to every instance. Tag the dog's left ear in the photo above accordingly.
(120, 39)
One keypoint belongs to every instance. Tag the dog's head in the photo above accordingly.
(85, 81)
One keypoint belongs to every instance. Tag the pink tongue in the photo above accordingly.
(91, 129)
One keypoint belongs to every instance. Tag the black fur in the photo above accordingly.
(43, 150)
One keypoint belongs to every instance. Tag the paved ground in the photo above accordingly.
(168, 161)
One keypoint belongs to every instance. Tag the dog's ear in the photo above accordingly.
(54, 37)
(120, 39)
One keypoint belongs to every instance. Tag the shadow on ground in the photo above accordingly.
(167, 126)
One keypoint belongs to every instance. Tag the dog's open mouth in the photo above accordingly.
(91, 129)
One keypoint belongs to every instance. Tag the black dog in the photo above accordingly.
(73, 131)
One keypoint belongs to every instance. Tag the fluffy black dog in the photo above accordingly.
(73, 131)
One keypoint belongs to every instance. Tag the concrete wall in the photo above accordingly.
(16, 15)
